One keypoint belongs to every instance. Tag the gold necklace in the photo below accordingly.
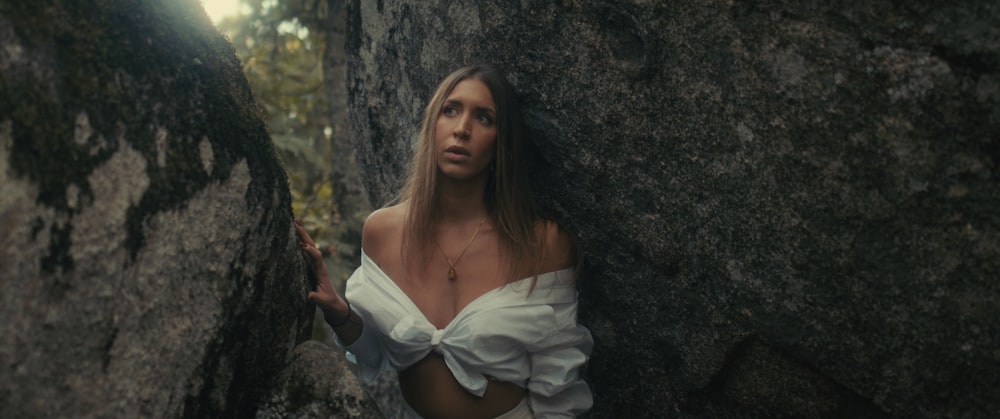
(452, 275)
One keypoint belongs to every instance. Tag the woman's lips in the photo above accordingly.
(456, 154)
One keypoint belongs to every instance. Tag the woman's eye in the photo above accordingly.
(449, 110)
(485, 119)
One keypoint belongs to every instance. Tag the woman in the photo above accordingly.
(439, 294)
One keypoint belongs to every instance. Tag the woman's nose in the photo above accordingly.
(462, 128)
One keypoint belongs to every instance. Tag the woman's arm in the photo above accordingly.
(336, 311)
(560, 249)
(556, 386)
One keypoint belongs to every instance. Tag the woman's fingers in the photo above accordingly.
(324, 295)
(311, 250)
(303, 235)
(314, 257)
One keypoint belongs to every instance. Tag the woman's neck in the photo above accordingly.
(461, 201)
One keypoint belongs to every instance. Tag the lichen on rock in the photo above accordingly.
(149, 264)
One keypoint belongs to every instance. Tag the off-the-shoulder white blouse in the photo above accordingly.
(511, 334)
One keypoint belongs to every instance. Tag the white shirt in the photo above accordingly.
(530, 339)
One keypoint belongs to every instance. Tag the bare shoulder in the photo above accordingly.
(382, 227)
(560, 248)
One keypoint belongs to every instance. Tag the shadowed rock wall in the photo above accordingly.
(318, 383)
(148, 263)
(788, 208)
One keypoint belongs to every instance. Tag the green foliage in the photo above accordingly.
(280, 44)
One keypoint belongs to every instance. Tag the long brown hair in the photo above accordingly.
(508, 197)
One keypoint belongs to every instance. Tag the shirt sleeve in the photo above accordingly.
(556, 387)
(366, 352)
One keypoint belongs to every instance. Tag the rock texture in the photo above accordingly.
(789, 208)
(148, 263)
(318, 384)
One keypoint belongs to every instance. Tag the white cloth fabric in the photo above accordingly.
(521, 411)
(531, 339)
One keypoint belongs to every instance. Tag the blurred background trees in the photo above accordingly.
(292, 52)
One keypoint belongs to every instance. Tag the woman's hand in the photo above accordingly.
(334, 307)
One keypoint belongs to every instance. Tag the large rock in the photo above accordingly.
(318, 383)
(148, 263)
(788, 208)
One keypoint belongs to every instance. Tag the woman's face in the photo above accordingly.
(465, 133)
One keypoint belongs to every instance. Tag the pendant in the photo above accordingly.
(451, 274)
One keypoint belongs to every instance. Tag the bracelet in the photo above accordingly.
(346, 319)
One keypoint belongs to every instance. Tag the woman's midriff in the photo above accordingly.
(432, 391)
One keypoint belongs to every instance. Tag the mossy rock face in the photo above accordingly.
(149, 264)
(789, 209)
